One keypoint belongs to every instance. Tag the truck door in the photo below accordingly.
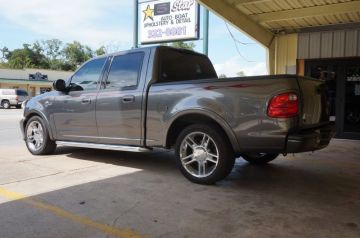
(75, 110)
(119, 102)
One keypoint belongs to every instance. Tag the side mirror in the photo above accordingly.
(59, 85)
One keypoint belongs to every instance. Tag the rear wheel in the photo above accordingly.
(37, 138)
(18, 106)
(203, 155)
(259, 158)
(5, 104)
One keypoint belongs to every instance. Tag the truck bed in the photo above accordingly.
(241, 104)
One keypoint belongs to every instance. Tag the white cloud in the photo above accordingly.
(234, 65)
(70, 19)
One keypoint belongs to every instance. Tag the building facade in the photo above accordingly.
(34, 81)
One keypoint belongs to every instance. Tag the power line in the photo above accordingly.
(236, 41)
(232, 35)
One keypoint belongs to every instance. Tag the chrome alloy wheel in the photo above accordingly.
(199, 154)
(35, 136)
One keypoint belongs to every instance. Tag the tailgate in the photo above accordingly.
(314, 108)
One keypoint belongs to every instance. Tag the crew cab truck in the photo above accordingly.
(164, 97)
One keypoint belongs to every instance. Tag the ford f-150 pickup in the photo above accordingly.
(152, 97)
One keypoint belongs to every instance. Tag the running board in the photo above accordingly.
(102, 146)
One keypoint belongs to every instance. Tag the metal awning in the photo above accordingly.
(262, 19)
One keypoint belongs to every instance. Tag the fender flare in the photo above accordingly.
(207, 113)
(34, 112)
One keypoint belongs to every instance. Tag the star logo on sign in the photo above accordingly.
(149, 13)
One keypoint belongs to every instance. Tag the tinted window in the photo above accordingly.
(178, 66)
(124, 71)
(21, 93)
(87, 77)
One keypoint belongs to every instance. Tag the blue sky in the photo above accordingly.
(110, 23)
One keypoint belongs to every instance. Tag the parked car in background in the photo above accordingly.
(171, 98)
(12, 97)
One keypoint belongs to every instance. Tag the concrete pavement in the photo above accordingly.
(9, 126)
(95, 193)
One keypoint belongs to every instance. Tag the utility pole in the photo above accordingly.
(206, 31)
(136, 25)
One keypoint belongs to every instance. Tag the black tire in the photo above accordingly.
(5, 104)
(259, 158)
(18, 106)
(47, 147)
(218, 139)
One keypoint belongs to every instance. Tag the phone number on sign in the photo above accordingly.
(173, 31)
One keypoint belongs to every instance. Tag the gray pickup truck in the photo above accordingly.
(163, 97)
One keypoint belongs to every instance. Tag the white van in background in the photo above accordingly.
(12, 97)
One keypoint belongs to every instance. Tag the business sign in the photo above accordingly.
(168, 20)
(38, 77)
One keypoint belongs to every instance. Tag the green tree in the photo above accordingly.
(4, 54)
(182, 45)
(38, 58)
(222, 76)
(76, 53)
(19, 59)
(54, 53)
(101, 51)
(241, 74)
(53, 48)
(48, 54)
(28, 57)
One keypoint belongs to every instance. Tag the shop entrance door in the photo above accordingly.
(351, 108)
(342, 77)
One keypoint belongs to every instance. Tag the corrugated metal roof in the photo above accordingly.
(291, 15)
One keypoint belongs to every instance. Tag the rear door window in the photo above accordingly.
(124, 71)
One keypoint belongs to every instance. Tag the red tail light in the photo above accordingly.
(284, 105)
(17, 98)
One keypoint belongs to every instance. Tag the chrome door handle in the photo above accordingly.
(86, 100)
(128, 99)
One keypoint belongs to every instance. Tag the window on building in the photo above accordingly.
(44, 90)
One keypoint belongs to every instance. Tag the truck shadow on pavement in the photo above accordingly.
(158, 160)
(300, 178)
(297, 198)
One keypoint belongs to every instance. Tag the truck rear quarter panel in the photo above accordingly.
(238, 103)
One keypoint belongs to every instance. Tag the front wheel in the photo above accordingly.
(259, 158)
(37, 138)
(203, 154)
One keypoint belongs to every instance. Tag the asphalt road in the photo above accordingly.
(94, 193)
